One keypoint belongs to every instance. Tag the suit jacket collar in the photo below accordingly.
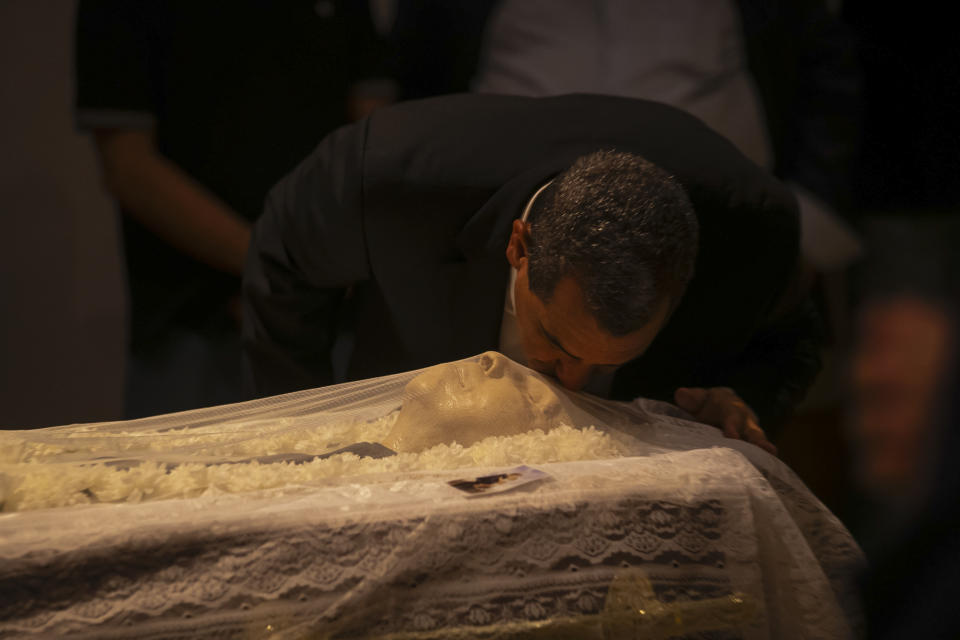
(442, 309)
(489, 229)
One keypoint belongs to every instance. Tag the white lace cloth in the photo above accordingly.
(706, 538)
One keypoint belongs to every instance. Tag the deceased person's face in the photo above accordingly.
(468, 401)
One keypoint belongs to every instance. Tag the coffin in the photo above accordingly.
(283, 517)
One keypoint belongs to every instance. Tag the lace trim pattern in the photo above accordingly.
(405, 555)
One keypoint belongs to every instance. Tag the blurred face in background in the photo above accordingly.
(899, 371)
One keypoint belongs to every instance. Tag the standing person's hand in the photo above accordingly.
(721, 407)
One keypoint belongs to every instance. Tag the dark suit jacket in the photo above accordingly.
(404, 219)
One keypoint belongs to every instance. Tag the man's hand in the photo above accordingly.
(721, 407)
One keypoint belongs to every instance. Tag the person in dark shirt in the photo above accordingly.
(196, 109)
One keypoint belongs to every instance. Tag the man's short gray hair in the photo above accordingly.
(623, 228)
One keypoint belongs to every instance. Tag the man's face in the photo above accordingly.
(561, 338)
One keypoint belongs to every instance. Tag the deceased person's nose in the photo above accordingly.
(494, 364)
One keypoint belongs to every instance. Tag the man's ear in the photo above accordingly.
(517, 247)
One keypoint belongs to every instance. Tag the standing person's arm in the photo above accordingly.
(171, 204)
(120, 56)
(119, 61)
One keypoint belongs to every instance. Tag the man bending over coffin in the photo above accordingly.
(618, 245)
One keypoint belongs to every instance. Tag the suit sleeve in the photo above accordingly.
(779, 362)
(307, 250)
(779, 365)
(775, 366)
(772, 369)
